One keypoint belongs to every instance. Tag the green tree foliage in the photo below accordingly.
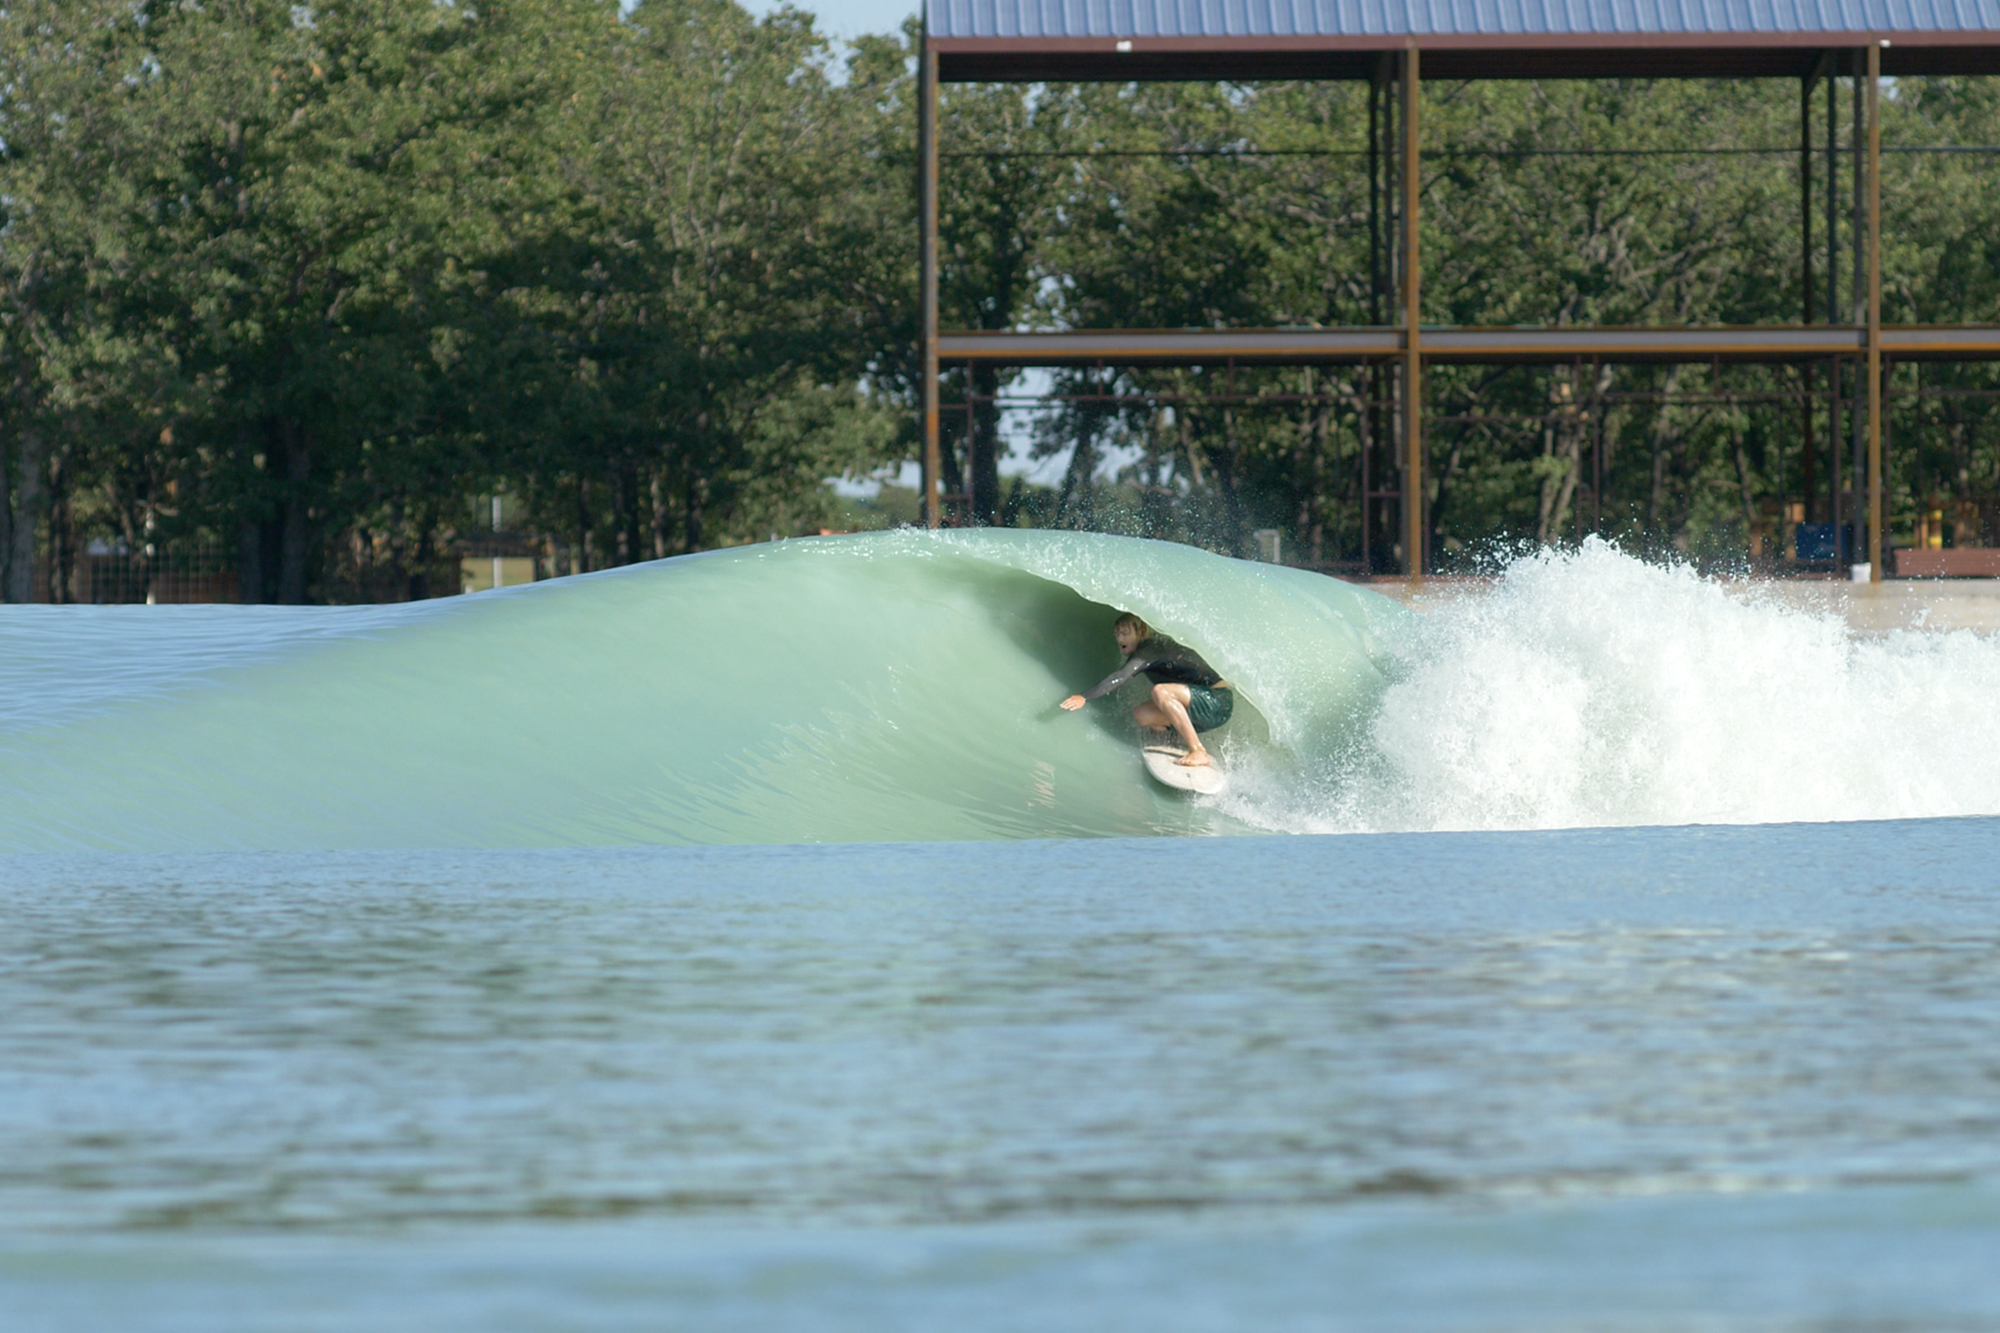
(305, 280)
(306, 285)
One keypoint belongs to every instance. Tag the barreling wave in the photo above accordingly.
(902, 686)
(881, 687)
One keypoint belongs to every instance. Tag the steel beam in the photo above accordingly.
(1467, 346)
(1174, 347)
(1682, 343)
(1941, 342)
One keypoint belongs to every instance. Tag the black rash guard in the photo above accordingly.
(1164, 662)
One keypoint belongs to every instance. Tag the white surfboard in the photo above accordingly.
(1160, 762)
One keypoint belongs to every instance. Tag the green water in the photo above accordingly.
(884, 687)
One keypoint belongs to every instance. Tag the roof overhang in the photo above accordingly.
(1111, 59)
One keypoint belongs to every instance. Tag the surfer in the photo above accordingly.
(1188, 696)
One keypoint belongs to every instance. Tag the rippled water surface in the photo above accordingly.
(1741, 1077)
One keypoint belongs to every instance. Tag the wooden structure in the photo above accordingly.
(1395, 44)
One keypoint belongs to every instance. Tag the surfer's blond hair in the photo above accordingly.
(1133, 623)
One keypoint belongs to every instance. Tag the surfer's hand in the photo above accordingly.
(1071, 704)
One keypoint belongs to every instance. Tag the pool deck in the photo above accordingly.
(1869, 608)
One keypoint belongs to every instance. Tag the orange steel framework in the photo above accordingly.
(1410, 345)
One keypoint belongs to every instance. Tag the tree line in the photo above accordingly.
(306, 287)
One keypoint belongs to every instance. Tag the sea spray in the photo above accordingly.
(1587, 687)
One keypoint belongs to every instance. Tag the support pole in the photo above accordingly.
(1833, 442)
(1833, 202)
(1808, 482)
(1376, 282)
(1413, 359)
(1806, 86)
(1371, 374)
(1857, 298)
(1875, 312)
(927, 244)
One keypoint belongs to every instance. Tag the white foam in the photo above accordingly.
(1589, 688)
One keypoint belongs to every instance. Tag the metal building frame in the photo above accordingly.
(1075, 41)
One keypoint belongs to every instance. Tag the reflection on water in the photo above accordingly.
(1433, 1038)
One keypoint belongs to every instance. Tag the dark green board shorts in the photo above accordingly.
(1209, 708)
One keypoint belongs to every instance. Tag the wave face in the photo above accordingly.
(901, 686)
(884, 687)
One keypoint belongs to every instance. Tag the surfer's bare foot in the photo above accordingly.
(1194, 759)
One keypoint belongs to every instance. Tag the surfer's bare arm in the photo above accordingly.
(1133, 666)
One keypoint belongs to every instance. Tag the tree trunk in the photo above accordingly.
(249, 561)
(1556, 508)
(656, 492)
(1073, 502)
(399, 546)
(420, 572)
(63, 582)
(294, 541)
(1010, 512)
(1312, 501)
(1744, 485)
(1223, 464)
(1156, 500)
(1562, 448)
(6, 523)
(20, 553)
(627, 498)
(697, 495)
(1562, 454)
(982, 450)
(951, 477)
(1662, 439)
(1440, 505)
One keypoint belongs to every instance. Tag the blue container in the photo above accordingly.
(1816, 541)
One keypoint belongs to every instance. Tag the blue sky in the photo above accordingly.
(849, 18)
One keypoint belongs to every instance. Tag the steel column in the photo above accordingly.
(1805, 191)
(1376, 281)
(1875, 313)
(1371, 374)
(1808, 481)
(1835, 436)
(1857, 301)
(1833, 200)
(1413, 360)
(927, 243)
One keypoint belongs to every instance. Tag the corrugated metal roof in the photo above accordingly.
(1043, 19)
